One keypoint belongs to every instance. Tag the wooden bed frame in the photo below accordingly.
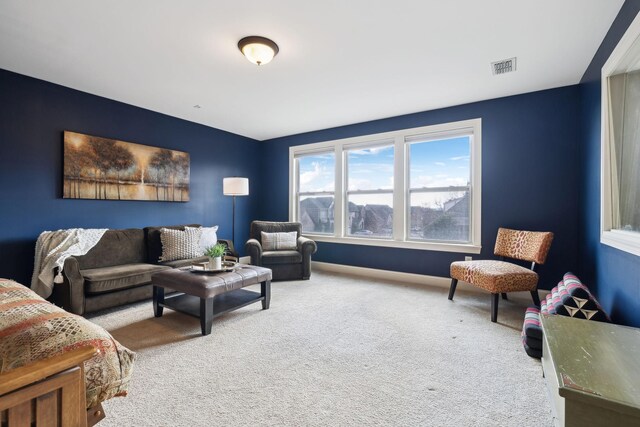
(49, 392)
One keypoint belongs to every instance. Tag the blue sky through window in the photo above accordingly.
(371, 168)
(440, 163)
(317, 172)
(437, 163)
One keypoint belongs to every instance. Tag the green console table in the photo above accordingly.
(592, 371)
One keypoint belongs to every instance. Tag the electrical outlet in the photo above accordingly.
(467, 258)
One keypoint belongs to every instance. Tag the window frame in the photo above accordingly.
(401, 192)
(345, 152)
(438, 136)
(627, 241)
(295, 176)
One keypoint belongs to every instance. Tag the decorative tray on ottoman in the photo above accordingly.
(201, 269)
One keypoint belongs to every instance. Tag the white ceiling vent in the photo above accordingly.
(504, 66)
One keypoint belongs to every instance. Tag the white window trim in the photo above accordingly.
(619, 239)
(401, 171)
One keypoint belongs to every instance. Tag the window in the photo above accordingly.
(315, 192)
(620, 224)
(440, 189)
(414, 188)
(369, 195)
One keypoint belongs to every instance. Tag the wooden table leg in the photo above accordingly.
(206, 315)
(265, 291)
(95, 414)
(158, 299)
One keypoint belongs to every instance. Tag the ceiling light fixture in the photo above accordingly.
(259, 50)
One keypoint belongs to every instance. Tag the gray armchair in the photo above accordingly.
(285, 264)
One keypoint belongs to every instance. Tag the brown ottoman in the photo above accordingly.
(208, 296)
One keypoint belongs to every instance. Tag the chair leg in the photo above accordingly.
(535, 297)
(452, 289)
(494, 307)
(504, 296)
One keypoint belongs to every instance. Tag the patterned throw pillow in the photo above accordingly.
(532, 333)
(178, 244)
(549, 304)
(572, 298)
(532, 327)
(530, 348)
(582, 309)
(279, 241)
(569, 298)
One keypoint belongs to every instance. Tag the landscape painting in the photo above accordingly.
(108, 169)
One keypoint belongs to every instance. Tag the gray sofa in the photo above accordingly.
(116, 271)
(285, 265)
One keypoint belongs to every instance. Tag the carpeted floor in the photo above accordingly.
(335, 351)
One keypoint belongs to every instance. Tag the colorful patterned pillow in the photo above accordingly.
(532, 326)
(548, 305)
(530, 349)
(574, 287)
(582, 309)
(32, 329)
(532, 332)
(569, 298)
(572, 298)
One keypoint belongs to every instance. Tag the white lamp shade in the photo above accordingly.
(235, 186)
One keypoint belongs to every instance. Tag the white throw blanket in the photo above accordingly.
(53, 247)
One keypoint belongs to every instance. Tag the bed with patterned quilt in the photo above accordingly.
(32, 330)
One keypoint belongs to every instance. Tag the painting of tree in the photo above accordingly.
(109, 169)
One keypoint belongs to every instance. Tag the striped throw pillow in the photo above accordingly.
(279, 241)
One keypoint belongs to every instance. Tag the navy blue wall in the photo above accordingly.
(529, 144)
(33, 115)
(613, 274)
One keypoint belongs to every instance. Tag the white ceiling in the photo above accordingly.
(340, 61)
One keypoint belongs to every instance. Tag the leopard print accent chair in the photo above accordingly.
(530, 246)
(500, 277)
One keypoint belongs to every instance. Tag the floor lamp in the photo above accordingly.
(235, 186)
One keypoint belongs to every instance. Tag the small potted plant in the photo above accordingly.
(215, 253)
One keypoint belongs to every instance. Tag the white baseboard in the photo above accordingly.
(398, 276)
